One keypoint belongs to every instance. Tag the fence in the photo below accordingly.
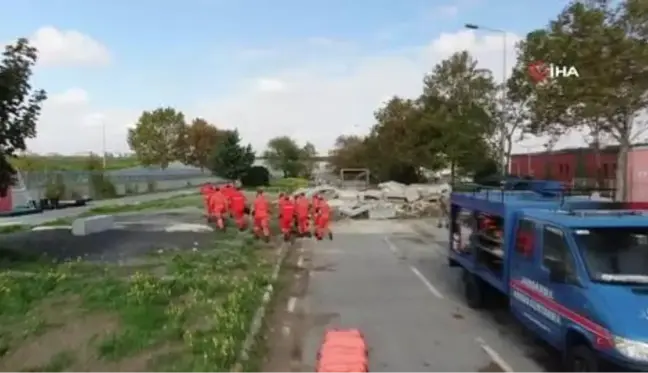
(36, 185)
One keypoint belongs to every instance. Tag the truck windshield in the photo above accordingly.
(615, 255)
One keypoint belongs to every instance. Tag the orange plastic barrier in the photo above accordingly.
(343, 351)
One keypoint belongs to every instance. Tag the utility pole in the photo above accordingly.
(504, 161)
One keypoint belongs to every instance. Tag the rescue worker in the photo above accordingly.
(261, 213)
(287, 217)
(237, 208)
(281, 200)
(302, 210)
(227, 190)
(205, 191)
(217, 207)
(322, 219)
(314, 204)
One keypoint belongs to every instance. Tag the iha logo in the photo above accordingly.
(540, 71)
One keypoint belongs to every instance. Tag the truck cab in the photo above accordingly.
(579, 279)
(575, 271)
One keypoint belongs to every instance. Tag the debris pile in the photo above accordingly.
(391, 200)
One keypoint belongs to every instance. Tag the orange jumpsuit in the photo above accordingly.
(314, 206)
(217, 207)
(205, 191)
(303, 215)
(261, 217)
(228, 190)
(286, 216)
(322, 219)
(237, 208)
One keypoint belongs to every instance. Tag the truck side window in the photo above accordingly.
(555, 248)
(525, 237)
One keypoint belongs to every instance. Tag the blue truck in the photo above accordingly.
(574, 270)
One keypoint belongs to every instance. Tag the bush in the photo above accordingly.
(289, 184)
(55, 188)
(256, 176)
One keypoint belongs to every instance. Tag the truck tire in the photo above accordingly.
(581, 358)
(474, 290)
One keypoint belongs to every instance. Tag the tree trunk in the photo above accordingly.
(621, 187)
(452, 172)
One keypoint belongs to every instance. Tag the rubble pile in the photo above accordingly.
(391, 200)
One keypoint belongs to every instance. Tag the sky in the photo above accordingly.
(309, 69)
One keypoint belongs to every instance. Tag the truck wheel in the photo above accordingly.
(473, 290)
(581, 358)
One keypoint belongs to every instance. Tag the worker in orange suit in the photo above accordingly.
(237, 207)
(281, 200)
(217, 207)
(205, 191)
(314, 204)
(302, 210)
(322, 219)
(261, 213)
(286, 217)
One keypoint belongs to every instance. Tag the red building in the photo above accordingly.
(585, 166)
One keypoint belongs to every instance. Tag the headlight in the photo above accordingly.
(633, 350)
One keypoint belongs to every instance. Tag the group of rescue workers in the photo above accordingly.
(294, 214)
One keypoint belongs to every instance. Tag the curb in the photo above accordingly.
(260, 313)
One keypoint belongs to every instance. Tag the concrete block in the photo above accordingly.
(92, 224)
(382, 213)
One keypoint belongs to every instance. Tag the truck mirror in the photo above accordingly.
(557, 270)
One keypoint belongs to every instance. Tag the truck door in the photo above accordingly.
(530, 294)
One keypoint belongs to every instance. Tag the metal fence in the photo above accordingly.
(34, 185)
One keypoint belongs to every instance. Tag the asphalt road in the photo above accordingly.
(391, 280)
(46, 216)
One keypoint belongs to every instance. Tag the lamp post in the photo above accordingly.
(504, 159)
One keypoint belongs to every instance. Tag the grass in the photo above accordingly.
(12, 228)
(158, 204)
(175, 311)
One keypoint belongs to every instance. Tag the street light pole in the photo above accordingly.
(504, 159)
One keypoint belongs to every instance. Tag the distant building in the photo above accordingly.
(584, 166)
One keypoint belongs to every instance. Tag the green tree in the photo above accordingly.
(460, 100)
(201, 141)
(606, 42)
(159, 137)
(19, 106)
(308, 154)
(231, 159)
(348, 152)
(283, 153)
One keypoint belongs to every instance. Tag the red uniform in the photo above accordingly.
(302, 210)
(322, 219)
(205, 191)
(228, 191)
(237, 208)
(261, 216)
(217, 207)
(286, 216)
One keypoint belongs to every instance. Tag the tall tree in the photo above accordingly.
(460, 100)
(348, 152)
(283, 153)
(230, 158)
(606, 42)
(19, 106)
(159, 136)
(201, 141)
(308, 154)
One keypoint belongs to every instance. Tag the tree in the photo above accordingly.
(606, 42)
(256, 176)
(348, 152)
(201, 141)
(230, 159)
(308, 155)
(19, 106)
(159, 137)
(460, 101)
(284, 154)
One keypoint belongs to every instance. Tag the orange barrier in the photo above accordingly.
(343, 351)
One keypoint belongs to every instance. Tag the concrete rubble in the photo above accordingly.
(391, 200)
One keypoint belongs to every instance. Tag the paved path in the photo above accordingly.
(46, 216)
(362, 279)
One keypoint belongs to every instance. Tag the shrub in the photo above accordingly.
(256, 176)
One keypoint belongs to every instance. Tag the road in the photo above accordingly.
(50, 215)
(391, 280)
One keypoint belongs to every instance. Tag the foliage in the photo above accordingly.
(487, 169)
(28, 163)
(19, 106)
(606, 42)
(284, 154)
(55, 187)
(159, 137)
(201, 141)
(230, 158)
(289, 184)
(256, 176)
(100, 185)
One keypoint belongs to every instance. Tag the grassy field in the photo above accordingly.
(175, 311)
(68, 163)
